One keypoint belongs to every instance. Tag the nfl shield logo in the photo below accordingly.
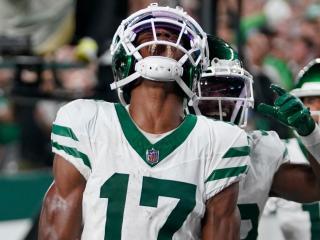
(152, 156)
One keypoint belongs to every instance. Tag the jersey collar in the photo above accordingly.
(152, 154)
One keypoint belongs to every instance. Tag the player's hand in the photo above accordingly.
(290, 111)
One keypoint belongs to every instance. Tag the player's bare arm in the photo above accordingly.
(61, 215)
(296, 182)
(222, 218)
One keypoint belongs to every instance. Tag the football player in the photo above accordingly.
(145, 170)
(302, 221)
(225, 92)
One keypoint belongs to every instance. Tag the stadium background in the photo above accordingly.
(55, 51)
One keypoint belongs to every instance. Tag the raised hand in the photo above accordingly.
(290, 111)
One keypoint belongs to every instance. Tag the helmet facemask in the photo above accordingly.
(158, 44)
(225, 92)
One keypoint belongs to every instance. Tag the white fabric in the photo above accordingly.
(96, 125)
(295, 225)
(312, 143)
(267, 154)
(294, 222)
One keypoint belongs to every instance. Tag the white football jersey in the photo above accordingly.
(268, 152)
(138, 190)
(298, 221)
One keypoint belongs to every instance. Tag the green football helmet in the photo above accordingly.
(128, 63)
(308, 82)
(225, 89)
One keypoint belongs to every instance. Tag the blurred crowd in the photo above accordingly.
(277, 38)
(54, 51)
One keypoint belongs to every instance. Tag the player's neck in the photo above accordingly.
(155, 108)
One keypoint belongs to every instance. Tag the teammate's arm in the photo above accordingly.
(222, 217)
(297, 182)
(61, 214)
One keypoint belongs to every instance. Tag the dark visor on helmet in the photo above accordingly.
(221, 86)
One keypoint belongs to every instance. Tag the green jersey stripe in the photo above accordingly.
(73, 152)
(237, 152)
(160, 149)
(226, 173)
(64, 131)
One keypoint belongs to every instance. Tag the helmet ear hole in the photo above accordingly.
(215, 60)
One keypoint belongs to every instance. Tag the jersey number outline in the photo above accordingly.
(250, 212)
(115, 189)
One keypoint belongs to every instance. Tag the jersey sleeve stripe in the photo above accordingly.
(226, 173)
(237, 152)
(285, 153)
(64, 131)
(73, 152)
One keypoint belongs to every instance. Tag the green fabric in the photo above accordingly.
(115, 190)
(237, 152)
(262, 124)
(250, 212)
(9, 131)
(153, 189)
(314, 212)
(283, 70)
(73, 152)
(22, 194)
(64, 131)
(226, 173)
(141, 144)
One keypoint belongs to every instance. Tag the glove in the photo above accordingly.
(290, 111)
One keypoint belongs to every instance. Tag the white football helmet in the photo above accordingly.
(225, 90)
(128, 63)
(309, 83)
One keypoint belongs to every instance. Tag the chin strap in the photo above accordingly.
(121, 97)
(125, 81)
(159, 69)
(194, 104)
(154, 68)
